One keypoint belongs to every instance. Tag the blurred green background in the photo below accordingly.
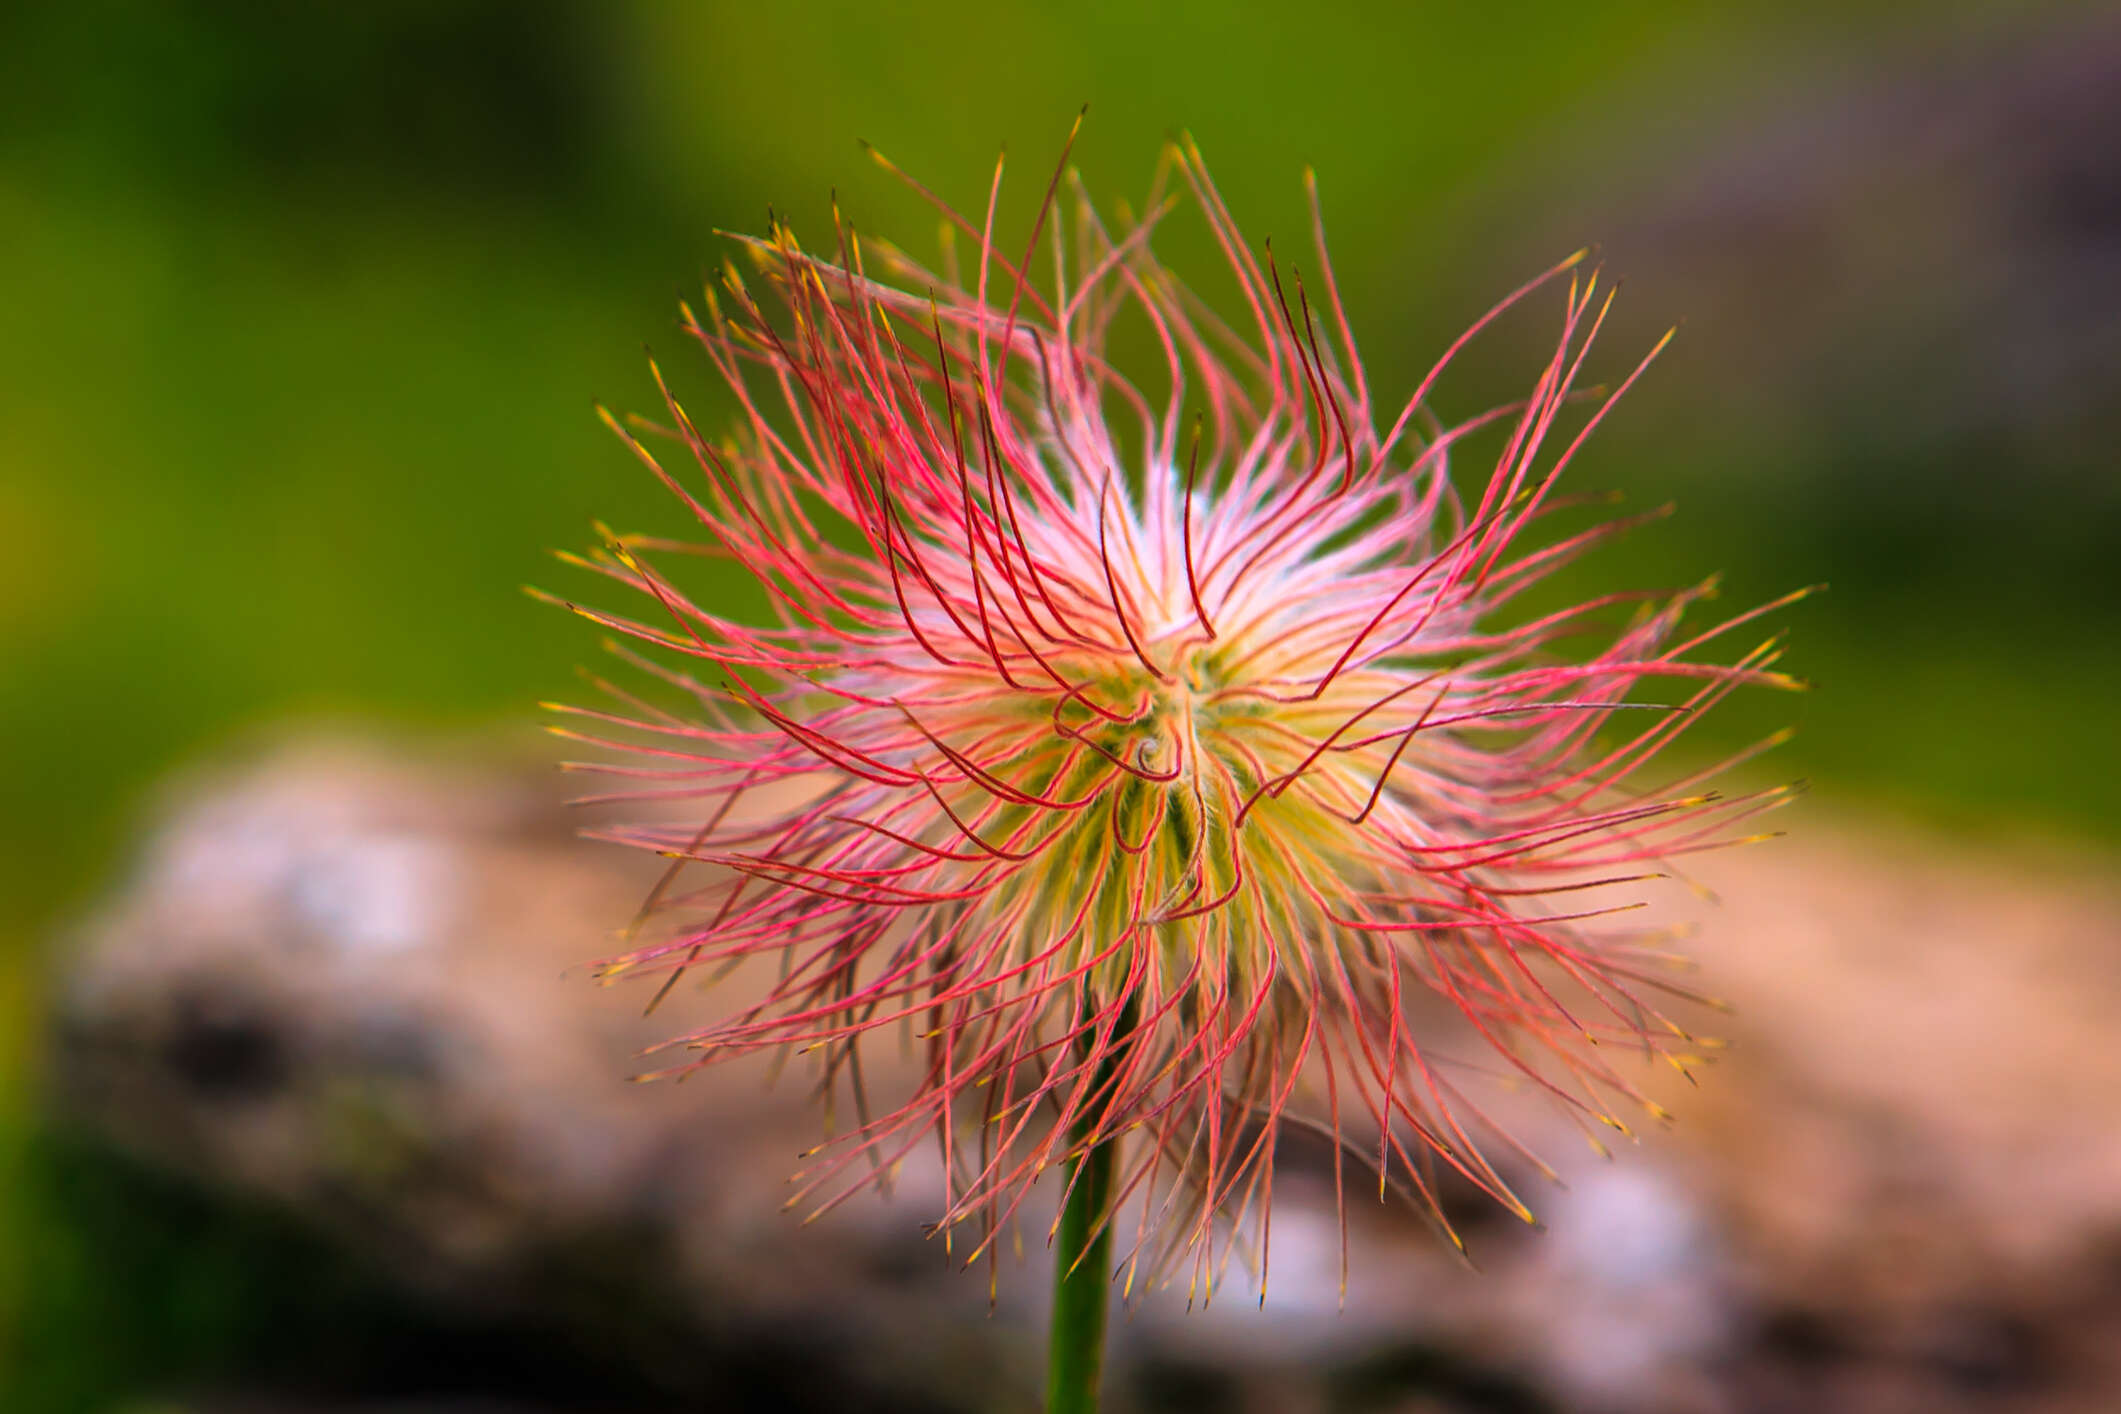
(305, 306)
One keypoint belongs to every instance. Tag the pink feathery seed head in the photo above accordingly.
(1154, 753)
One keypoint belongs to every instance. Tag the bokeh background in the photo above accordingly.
(304, 307)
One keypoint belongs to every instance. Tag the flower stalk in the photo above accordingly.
(1082, 1245)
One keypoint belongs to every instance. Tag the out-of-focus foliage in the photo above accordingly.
(305, 307)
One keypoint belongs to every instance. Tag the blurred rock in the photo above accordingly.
(346, 980)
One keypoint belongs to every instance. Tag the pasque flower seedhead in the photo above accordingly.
(1162, 755)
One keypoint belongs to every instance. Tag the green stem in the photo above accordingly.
(1082, 1281)
(1082, 1262)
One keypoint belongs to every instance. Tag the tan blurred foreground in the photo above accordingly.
(345, 980)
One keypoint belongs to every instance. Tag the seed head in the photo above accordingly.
(1161, 753)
